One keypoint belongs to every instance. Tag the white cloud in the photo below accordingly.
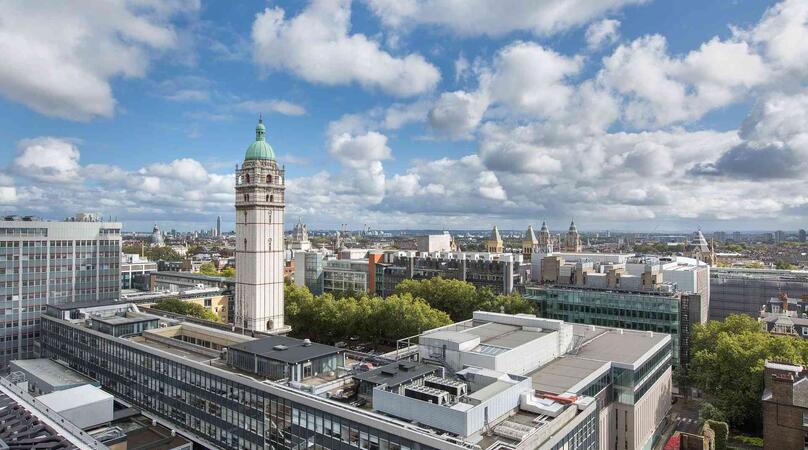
(59, 58)
(532, 79)
(782, 34)
(48, 159)
(279, 106)
(495, 17)
(317, 46)
(603, 32)
(659, 89)
(457, 114)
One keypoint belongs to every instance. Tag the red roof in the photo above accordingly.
(674, 443)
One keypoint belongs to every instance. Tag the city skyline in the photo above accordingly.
(402, 117)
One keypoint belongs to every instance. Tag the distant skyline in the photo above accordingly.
(633, 115)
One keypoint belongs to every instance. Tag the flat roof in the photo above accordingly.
(120, 320)
(176, 351)
(621, 346)
(296, 350)
(562, 374)
(52, 372)
(88, 304)
(396, 373)
(194, 276)
(74, 397)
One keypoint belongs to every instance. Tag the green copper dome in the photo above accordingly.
(259, 149)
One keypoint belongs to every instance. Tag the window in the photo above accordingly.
(246, 197)
(269, 179)
(271, 199)
(248, 178)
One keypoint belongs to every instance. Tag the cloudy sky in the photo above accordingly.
(624, 114)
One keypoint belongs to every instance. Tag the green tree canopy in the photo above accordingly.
(727, 364)
(178, 306)
(325, 318)
(153, 253)
(460, 299)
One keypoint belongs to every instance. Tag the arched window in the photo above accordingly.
(269, 179)
(246, 197)
(238, 180)
(271, 198)
(267, 198)
(248, 178)
(269, 324)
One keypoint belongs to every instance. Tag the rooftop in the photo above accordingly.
(51, 372)
(286, 349)
(396, 373)
(73, 397)
(562, 374)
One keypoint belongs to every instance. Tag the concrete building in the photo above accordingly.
(495, 381)
(29, 424)
(494, 242)
(136, 271)
(745, 291)
(43, 376)
(44, 262)
(785, 406)
(260, 185)
(434, 243)
(664, 295)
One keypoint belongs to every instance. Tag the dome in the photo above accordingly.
(259, 149)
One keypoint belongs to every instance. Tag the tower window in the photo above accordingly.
(267, 198)
(248, 178)
(245, 244)
(271, 199)
(269, 179)
(246, 197)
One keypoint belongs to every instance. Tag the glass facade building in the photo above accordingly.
(45, 263)
(659, 313)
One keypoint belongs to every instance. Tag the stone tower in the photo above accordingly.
(494, 244)
(259, 238)
(572, 242)
(529, 243)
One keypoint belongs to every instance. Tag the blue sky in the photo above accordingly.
(625, 114)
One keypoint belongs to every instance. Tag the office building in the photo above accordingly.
(745, 291)
(44, 262)
(435, 243)
(218, 226)
(260, 188)
(494, 381)
(136, 271)
(379, 272)
(801, 235)
(28, 424)
(785, 406)
(663, 295)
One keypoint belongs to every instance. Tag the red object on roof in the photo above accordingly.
(674, 443)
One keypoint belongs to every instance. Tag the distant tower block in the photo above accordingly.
(259, 238)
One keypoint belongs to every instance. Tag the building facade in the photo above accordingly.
(745, 291)
(785, 406)
(494, 243)
(136, 272)
(548, 386)
(260, 185)
(43, 262)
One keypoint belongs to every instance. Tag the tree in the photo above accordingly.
(153, 253)
(178, 306)
(229, 272)
(208, 269)
(727, 365)
(709, 412)
(460, 299)
(328, 319)
(783, 265)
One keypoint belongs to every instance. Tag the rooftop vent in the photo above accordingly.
(280, 348)
(306, 343)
